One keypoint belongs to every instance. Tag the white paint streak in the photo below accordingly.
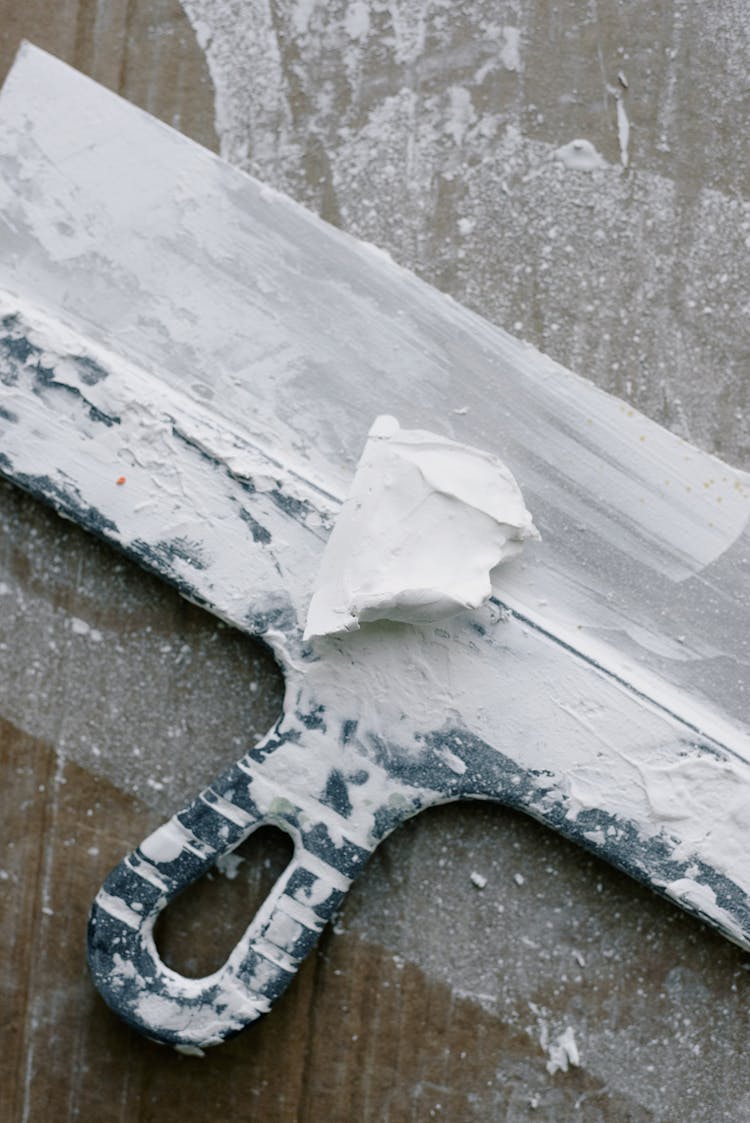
(118, 908)
(623, 131)
(168, 842)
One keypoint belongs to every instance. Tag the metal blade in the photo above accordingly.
(268, 320)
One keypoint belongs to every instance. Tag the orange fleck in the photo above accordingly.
(120, 480)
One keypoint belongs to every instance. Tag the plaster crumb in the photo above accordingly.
(81, 628)
(580, 156)
(478, 880)
(228, 865)
(452, 761)
(519, 878)
(563, 1052)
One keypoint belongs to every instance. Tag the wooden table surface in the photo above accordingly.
(428, 998)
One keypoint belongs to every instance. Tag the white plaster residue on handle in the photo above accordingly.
(425, 522)
(702, 899)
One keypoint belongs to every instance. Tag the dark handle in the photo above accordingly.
(193, 1013)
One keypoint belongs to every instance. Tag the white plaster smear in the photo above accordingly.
(425, 522)
(702, 899)
(623, 132)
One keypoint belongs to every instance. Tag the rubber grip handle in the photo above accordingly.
(194, 1013)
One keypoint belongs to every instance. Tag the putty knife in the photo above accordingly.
(189, 366)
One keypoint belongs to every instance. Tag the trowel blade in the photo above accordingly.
(190, 363)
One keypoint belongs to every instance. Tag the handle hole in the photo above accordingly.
(197, 931)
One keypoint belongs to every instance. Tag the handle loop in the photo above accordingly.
(194, 1013)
